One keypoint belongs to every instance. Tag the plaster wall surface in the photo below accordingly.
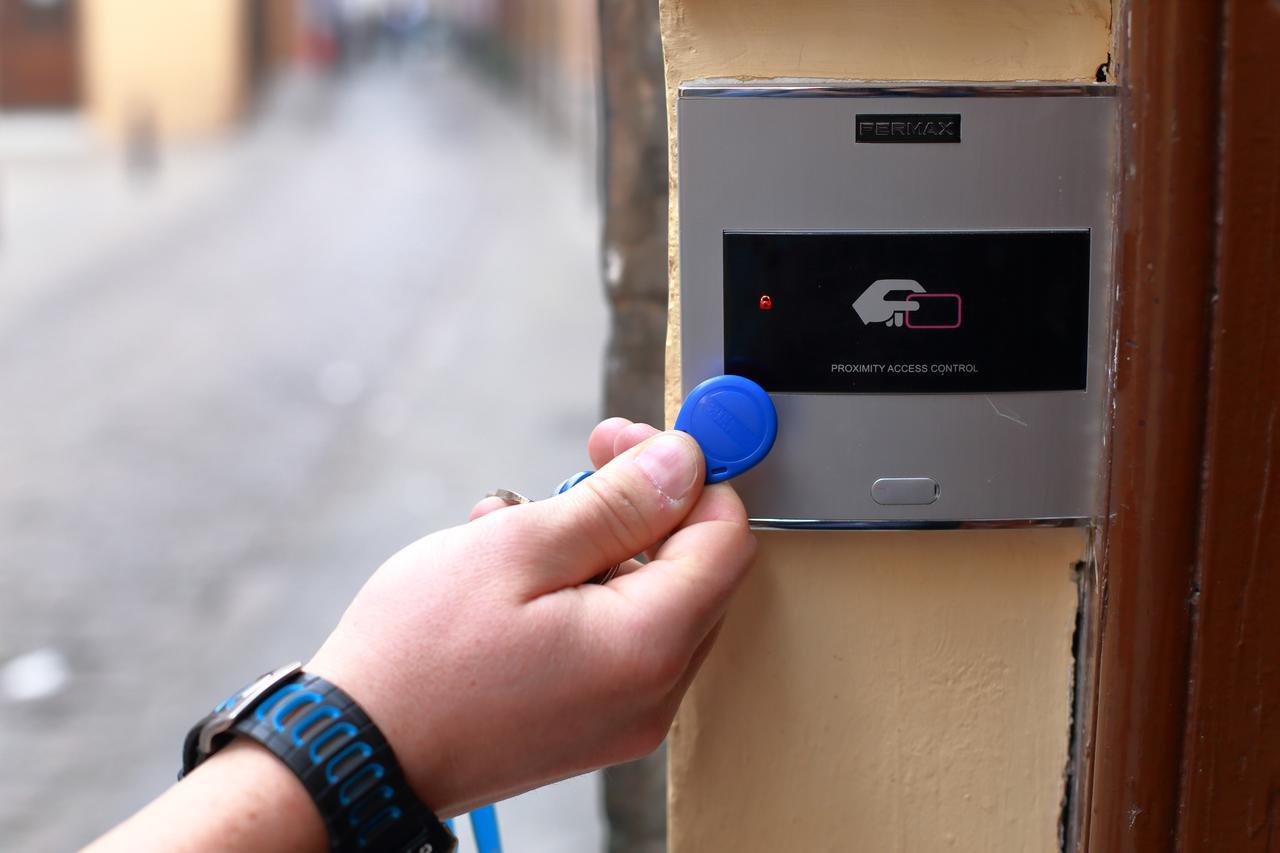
(872, 690)
(180, 64)
(884, 691)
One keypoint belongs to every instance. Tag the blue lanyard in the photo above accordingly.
(484, 826)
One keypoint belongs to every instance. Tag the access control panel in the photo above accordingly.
(920, 278)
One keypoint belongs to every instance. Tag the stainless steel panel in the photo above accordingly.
(756, 159)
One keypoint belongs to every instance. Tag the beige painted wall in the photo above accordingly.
(882, 691)
(181, 61)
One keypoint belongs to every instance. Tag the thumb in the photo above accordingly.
(627, 506)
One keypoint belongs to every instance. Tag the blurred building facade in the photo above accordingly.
(179, 69)
(39, 60)
(186, 70)
(547, 49)
(182, 69)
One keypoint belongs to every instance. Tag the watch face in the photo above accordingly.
(235, 703)
(202, 740)
(229, 704)
(225, 704)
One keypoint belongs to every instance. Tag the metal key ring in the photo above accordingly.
(509, 496)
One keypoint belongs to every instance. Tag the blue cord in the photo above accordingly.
(484, 826)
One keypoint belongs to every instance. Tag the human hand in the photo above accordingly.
(873, 307)
(489, 664)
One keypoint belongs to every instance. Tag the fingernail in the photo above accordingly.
(669, 462)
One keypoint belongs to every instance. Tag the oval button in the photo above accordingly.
(905, 491)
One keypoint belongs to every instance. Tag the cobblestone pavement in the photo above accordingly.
(230, 390)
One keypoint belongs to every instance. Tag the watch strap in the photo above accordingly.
(346, 765)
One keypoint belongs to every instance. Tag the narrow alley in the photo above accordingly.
(229, 389)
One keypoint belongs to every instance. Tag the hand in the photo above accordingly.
(872, 307)
(491, 667)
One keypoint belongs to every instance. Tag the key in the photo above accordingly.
(607, 575)
(509, 496)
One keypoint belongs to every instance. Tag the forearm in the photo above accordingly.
(488, 660)
(243, 798)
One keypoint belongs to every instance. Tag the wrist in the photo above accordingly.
(325, 738)
(242, 798)
(279, 815)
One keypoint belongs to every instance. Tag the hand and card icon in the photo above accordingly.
(904, 302)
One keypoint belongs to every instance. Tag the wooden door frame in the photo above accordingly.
(1180, 748)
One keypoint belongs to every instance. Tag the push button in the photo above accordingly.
(905, 491)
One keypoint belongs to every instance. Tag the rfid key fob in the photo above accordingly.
(732, 419)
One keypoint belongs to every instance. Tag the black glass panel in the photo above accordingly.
(911, 313)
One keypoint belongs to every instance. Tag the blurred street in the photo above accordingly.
(233, 385)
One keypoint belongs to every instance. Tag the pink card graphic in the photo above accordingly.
(936, 311)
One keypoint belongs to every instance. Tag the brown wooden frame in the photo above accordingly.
(1230, 797)
(1182, 750)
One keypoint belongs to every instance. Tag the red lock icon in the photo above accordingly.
(766, 303)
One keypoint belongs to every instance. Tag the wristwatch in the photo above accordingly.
(340, 756)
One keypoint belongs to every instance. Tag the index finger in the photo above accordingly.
(600, 442)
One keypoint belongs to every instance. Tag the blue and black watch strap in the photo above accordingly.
(339, 755)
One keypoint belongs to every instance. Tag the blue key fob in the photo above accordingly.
(734, 422)
(732, 419)
(569, 482)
